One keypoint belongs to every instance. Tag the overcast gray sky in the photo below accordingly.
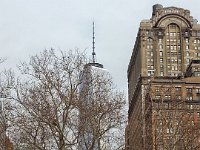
(28, 27)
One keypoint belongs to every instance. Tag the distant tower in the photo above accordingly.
(93, 42)
(86, 92)
(94, 63)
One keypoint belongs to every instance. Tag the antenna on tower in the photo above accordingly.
(93, 47)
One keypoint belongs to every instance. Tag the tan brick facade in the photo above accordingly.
(164, 82)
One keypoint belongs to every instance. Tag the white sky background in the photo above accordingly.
(28, 27)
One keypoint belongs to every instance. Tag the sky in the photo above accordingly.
(27, 27)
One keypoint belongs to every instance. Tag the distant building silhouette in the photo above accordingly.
(88, 79)
(86, 97)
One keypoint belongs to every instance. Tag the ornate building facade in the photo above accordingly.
(164, 82)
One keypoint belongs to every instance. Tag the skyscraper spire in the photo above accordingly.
(93, 47)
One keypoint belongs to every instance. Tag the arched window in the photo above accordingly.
(173, 49)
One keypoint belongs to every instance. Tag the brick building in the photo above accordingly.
(164, 82)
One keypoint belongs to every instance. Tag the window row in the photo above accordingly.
(150, 67)
(173, 54)
(150, 60)
(171, 11)
(174, 47)
(197, 47)
(196, 33)
(149, 46)
(150, 53)
(172, 34)
(172, 40)
(190, 90)
(173, 60)
(173, 67)
(149, 40)
(150, 72)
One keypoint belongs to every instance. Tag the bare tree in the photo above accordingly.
(6, 82)
(48, 104)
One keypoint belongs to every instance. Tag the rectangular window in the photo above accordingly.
(149, 40)
(189, 98)
(175, 67)
(174, 47)
(160, 46)
(194, 33)
(189, 90)
(157, 89)
(178, 89)
(172, 67)
(198, 33)
(174, 33)
(161, 53)
(150, 60)
(178, 97)
(150, 73)
(159, 33)
(157, 97)
(161, 66)
(167, 130)
(167, 47)
(198, 90)
(186, 33)
(168, 97)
